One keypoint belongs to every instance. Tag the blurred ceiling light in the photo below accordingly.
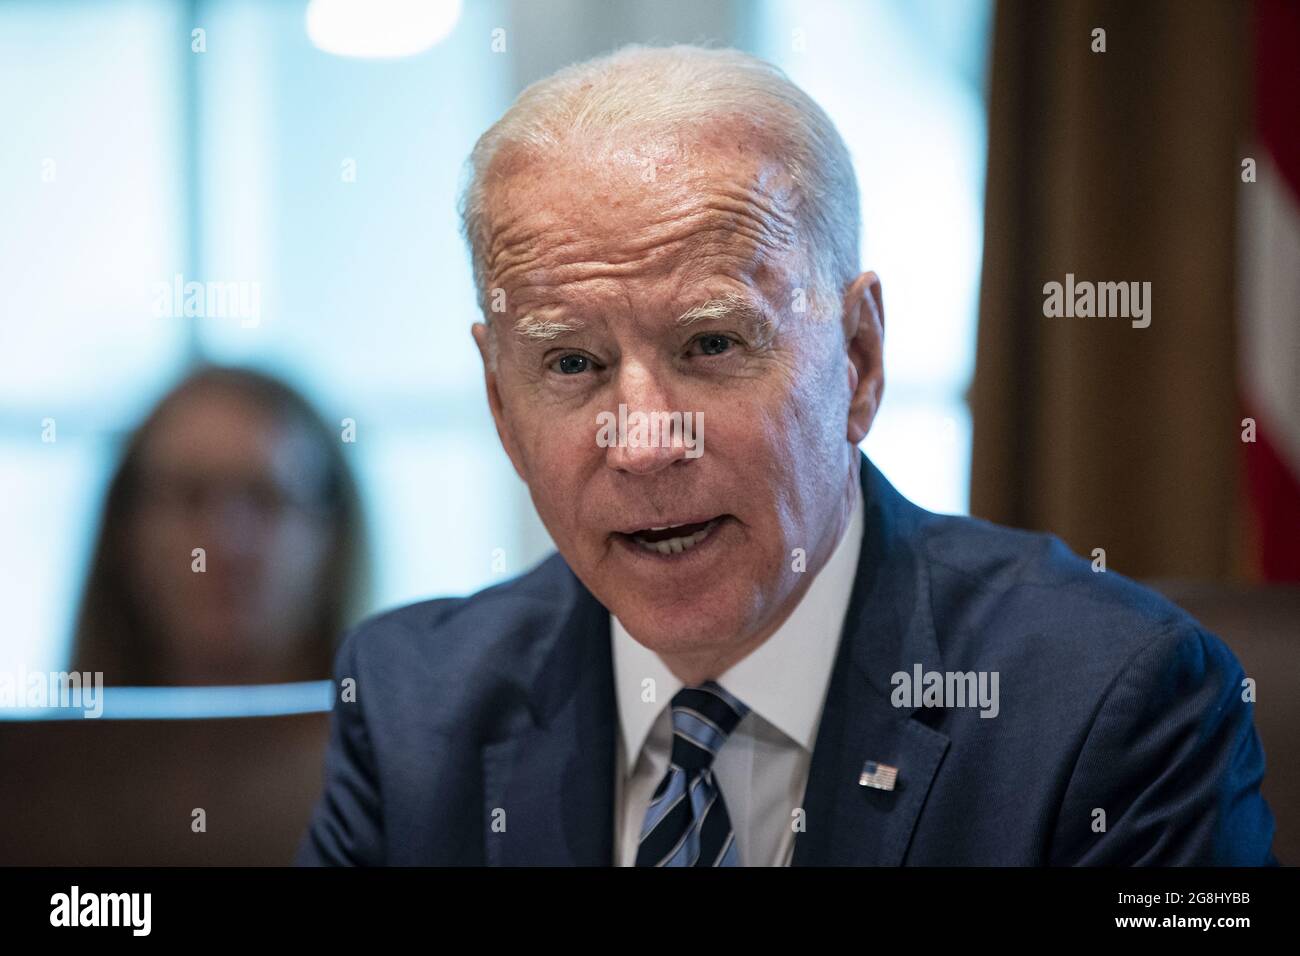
(380, 28)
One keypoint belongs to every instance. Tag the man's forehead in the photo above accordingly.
(575, 218)
(573, 182)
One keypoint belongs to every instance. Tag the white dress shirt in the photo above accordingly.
(762, 768)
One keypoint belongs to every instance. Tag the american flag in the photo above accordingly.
(881, 776)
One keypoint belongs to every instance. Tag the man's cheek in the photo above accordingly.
(566, 440)
(558, 454)
(543, 440)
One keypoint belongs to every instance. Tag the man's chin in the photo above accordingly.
(681, 627)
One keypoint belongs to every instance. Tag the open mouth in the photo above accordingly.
(673, 539)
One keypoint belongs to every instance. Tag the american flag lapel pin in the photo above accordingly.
(879, 776)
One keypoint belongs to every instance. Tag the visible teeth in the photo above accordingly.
(679, 544)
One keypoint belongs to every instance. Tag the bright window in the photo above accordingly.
(903, 82)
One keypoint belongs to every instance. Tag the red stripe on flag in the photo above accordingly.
(1274, 502)
(1277, 84)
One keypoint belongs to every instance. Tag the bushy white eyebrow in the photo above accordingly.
(542, 330)
(729, 306)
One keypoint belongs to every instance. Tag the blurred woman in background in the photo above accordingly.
(237, 464)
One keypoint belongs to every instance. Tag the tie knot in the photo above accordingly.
(703, 718)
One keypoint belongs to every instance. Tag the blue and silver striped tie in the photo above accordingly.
(687, 823)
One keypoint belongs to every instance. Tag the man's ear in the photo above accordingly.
(486, 350)
(864, 339)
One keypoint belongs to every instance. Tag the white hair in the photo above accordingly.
(638, 91)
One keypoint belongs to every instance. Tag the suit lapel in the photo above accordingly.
(888, 628)
(554, 778)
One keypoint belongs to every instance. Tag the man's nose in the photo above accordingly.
(647, 436)
(644, 460)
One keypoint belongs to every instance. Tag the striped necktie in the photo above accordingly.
(686, 823)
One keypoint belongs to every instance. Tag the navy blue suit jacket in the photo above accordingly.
(1111, 699)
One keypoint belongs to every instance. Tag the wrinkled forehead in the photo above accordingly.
(648, 205)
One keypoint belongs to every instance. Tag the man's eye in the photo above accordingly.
(573, 364)
(714, 344)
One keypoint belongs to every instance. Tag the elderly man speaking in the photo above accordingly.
(750, 649)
